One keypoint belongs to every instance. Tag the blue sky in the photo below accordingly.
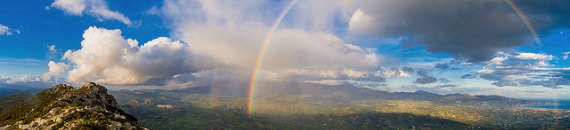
(442, 46)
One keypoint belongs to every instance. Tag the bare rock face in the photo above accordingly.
(63, 107)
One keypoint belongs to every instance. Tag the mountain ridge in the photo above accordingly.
(65, 107)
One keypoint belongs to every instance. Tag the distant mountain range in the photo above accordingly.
(7, 91)
(351, 92)
(284, 88)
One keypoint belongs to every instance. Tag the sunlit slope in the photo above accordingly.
(335, 107)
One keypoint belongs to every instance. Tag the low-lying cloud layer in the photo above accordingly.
(524, 69)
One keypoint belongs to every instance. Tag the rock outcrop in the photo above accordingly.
(63, 107)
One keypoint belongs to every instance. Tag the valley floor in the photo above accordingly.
(166, 110)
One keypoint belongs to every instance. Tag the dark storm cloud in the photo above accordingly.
(425, 80)
(444, 80)
(528, 91)
(455, 62)
(468, 76)
(423, 73)
(475, 29)
(425, 77)
(442, 66)
(447, 86)
(408, 69)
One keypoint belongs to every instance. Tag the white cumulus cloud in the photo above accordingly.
(231, 34)
(106, 57)
(219, 35)
(95, 8)
(533, 56)
(497, 61)
(52, 49)
(55, 69)
(5, 30)
(565, 55)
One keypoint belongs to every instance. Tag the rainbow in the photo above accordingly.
(255, 72)
(524, 20)
(537, 40)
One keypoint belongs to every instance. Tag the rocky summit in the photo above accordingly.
(65, 107)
